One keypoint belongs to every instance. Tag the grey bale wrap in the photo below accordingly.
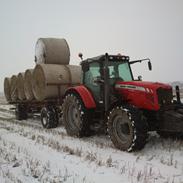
(20, 86)
(7, 89)
(52, 51)
(28, 84)
(52, 68)
(13, 88)
(45, 76)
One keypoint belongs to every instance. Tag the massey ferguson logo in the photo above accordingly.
(130, 87)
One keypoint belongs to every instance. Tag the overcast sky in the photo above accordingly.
(138, 28)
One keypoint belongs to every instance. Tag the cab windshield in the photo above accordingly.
(120, 70)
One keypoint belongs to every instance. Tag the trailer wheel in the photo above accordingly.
(49, 117)
(127, 128)
(21, 112)
(75, 116)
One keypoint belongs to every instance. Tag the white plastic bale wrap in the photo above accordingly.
(46, 75)
(13, 88)
(28, 84)
(20, 86)
(52, 51)
(7, 89)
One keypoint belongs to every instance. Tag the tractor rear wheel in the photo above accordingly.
(49, 117)
(127, 128)
(75, 116)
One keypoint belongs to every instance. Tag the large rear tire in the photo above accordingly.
(127, 128)
(76, 117)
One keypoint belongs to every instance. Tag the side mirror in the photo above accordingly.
(150, 66)
(139, 78)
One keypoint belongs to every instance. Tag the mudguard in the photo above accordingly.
(85, 95)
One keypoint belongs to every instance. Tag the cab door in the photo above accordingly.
(89, 78)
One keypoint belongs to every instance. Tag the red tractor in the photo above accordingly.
(128, 109)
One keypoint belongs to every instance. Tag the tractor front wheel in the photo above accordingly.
(75, 116)
(127, 128)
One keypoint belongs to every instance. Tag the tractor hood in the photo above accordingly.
(145, 95)
(141, 85)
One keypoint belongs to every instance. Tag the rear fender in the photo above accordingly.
(85, 95)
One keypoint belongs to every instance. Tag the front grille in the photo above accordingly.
(165, 96)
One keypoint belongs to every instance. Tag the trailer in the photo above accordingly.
(50, 110)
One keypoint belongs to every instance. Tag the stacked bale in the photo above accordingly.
(46, 78)
(20, 86)
(28, 84)
(50, 78)
(13, 89)
(7, 89)
(52, 51)
(52, 69)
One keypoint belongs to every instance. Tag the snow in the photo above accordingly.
(6, 107)
(29, 153)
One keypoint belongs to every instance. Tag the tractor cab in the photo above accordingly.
(106, 76)
(102, 71)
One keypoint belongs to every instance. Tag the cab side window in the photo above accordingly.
(90, 75)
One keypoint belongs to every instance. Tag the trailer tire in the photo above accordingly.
(21, 112)
(49, 117)
(75, 116)
(127, 128)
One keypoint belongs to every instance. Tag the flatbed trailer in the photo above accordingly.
(51, 107)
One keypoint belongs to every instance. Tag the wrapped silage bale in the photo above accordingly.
(20, 86)
(28, 84)
(52, 51)
(13, 89)
(45, 76)
(7, 89)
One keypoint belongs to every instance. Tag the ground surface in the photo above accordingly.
(29, 153)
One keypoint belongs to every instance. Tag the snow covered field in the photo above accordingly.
(29, 153)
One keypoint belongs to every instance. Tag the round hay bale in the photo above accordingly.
(20, 86)
(52, 51)
(28, 84)
(13, 88)
(7, 89)
(45, 76)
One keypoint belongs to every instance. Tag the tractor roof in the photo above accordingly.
(101, 58)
